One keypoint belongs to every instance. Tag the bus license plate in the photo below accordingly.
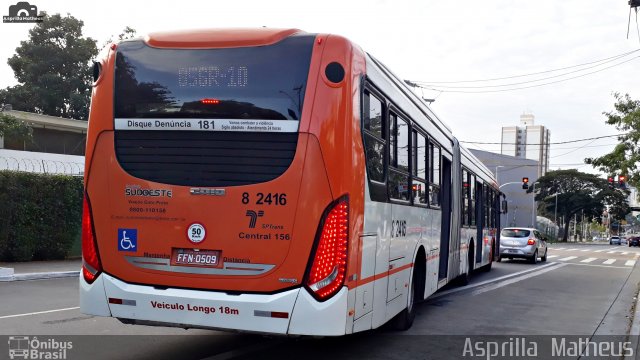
(191, 257)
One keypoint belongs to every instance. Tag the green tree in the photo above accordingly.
(625, 157)
(53, 69)
(15, 129)
(577, 192)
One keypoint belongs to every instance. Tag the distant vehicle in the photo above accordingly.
(624, 240)
(614, 240)
(634, 241)
(596, 238)
(524, 243)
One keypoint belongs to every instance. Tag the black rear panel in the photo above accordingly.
(195, 158)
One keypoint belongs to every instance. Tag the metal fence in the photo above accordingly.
(41, 166)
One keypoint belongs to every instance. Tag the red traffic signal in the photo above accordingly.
(525, 183)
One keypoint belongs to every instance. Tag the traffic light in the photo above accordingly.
(621, 180)
(525, 183)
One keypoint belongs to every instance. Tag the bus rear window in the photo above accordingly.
(264, 82)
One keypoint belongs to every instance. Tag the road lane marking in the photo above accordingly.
(610, 252)
(568, 258)
(630, 263)
(601, 250)
(625, 252)
(603, 266)
(38, 312)
(588, 260)
(515, 280)
(572, 249)
(609, 262)
(585, 250)
(508, 276)
(557, 248)
(551, 256)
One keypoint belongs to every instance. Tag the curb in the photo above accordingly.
(39, 276)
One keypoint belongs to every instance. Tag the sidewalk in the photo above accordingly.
(36, 270)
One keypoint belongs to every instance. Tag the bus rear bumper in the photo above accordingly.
(292, 312)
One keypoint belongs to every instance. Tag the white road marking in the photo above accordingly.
(587, 260)
(39, 312)
(585, 250)
(551, 256)
(568, 258)
(630, 263)
(609, 262)
(515, 280)
(508, 276)
(594, 265)
(572, 249)
(557, 248)
(601, 250)
(625, 252)
(611, 252)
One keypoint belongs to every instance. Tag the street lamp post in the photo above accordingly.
(533, 205)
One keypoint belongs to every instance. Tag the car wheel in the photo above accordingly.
(534, 258)
(544, 257)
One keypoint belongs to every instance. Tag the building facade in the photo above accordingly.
(527, 141)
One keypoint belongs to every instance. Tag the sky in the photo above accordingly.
(434, 41)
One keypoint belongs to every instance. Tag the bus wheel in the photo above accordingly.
(487, 267)
(404, 319)
(464, 278)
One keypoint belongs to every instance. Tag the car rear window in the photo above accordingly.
(517, 233)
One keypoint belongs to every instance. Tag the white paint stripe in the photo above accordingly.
(471, 286)
(584, 250)
(572, 249)
(630, 263)
(551, 256)
(609, 262)
(38, 312)
(610, 252)
(625, 252)
(557, 248)
(607, 249)
(587, 260)
(514, 280)
(603, 266)
(568, 258)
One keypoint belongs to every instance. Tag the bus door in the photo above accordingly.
(445, 226)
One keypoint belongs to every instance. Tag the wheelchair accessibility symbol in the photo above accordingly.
(127, 239)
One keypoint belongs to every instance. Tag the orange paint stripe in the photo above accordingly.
(383, 275)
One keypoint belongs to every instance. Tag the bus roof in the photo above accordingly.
(217, 38)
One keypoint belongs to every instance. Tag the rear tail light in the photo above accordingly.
(531, 242)
(329, 262)
(90, 259)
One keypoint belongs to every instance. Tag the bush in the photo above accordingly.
(40, 215)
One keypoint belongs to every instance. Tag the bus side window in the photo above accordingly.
(398, 181)
(434, 176)
(373, 122)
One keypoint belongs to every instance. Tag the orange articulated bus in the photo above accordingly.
(271, 181)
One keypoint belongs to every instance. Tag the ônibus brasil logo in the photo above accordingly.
(26, 347)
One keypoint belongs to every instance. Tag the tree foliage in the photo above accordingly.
(15, 129)
(625, 157)
(53, 69)
(577, 192)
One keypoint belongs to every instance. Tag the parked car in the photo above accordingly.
(524, 243)
(614, 240)
(634, 241)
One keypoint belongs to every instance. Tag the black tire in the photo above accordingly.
(534, 258)
(464, 278)
(404, 320)
(544, 258)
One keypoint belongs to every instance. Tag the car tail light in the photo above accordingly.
(90, 259)
(531, 242)
(329, 262)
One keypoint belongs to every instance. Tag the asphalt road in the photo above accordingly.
(579, 291)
